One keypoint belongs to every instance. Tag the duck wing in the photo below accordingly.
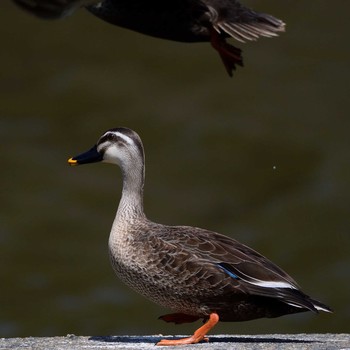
(51, 9)
(249, 272)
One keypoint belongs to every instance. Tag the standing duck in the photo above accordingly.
(179, 20)
(197, 273)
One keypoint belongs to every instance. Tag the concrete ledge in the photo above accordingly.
(222, 342)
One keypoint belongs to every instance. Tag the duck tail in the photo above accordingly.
(320, 306)
(274, 24)
(251, 25)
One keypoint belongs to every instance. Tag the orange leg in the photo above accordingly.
(197, 336)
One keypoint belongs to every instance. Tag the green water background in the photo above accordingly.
(263, 157)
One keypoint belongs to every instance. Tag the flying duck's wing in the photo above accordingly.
(51, 9)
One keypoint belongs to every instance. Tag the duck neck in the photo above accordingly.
(131, 203)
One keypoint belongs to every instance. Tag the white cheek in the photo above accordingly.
(112, 155)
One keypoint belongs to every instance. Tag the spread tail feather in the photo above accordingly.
(259, 24)
(321, 307)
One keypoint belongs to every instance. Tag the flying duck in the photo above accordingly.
(180, 20)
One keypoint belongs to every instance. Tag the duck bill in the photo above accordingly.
(91, 156)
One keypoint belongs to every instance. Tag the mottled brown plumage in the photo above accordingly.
(179, 20)
(195, 272)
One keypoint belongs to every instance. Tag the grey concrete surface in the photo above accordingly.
(221, 342)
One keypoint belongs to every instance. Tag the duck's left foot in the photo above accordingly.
(178, 318)
(230, 55)
(183, 341)
(197, 336)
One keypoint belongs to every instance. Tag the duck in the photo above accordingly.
(185, 21)
(197, 273)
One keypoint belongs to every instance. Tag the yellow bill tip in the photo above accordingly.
(72, 161)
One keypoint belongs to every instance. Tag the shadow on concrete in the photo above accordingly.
(126, 339)
(212, 339)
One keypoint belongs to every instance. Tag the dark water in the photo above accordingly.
(263, 157)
